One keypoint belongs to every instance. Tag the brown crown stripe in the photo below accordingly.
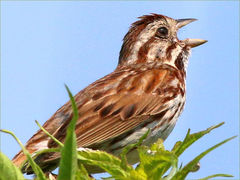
(129, 41)
(143, 51)
(146, 19)
(131, 37)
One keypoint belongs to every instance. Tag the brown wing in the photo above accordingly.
(111, 106)
(117, 104)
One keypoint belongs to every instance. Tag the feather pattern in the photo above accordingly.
(146, 91)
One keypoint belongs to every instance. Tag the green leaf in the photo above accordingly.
(36, 169)
(7, 169)
(106, 161)
(180, 147)
(186, 169)
(189, 139)
(68, 162)
(154, 160)
(158, 145)
(82, 173)
(109, 163)
(216, 175)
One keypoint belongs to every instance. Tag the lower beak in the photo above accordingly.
(189, 42)
(194, 42)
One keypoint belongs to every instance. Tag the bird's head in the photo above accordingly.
(154, 38)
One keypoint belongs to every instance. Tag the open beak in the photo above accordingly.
(189, 42)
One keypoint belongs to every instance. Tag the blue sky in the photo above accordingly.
(47, 44)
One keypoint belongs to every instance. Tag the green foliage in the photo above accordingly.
(37, 170)
(8, 170)
(153, 161)
(154, 164)
(68, 163)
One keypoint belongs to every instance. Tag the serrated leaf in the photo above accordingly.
(181, 174)
(106, 161)
(68, 162)
(153, 162)
(181, 146)
(189, 139)
(109, 163)
(7, 169)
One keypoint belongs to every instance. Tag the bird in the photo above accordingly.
(146, 91)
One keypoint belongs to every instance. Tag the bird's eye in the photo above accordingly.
(162, 32)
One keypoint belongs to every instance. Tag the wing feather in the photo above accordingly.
(111, 106)
(119, 109)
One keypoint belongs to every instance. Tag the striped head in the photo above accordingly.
(153, 38)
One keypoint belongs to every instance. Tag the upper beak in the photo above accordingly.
(184, 22)
(189, 42)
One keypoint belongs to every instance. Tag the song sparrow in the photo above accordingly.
(146, 91)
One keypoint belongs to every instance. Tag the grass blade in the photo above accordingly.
(68, 162)
(216, 175)
(51, 136)
(37, 170)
